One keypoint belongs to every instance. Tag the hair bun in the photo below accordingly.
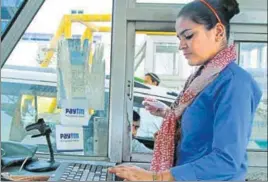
(231, 7)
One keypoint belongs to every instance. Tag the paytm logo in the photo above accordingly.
(76, 112)
(69, 136)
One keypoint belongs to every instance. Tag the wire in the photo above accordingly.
(24, 163)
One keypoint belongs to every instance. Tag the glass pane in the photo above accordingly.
(164, 1)
(169, 61)
(164, 58)
(158, 55)
(60, 71)
(163, 68)
(9, 110)
(8, 11)
(253, 58)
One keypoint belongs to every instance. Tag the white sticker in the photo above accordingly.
(69, 139)
(74, 116)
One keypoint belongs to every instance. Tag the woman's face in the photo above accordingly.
(197, 43)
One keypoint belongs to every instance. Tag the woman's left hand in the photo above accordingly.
(132, 173)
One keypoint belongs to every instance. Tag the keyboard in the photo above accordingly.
(82, 172)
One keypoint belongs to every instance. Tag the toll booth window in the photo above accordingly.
(59, 71)
(160, 72)
(253, 58)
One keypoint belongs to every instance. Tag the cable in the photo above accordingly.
(24, 163)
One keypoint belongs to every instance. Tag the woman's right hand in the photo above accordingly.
(155, 107)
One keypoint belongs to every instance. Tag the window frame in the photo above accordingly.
(248, 40)
(14, 35)
(161, 18)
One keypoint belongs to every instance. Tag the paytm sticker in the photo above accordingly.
(69, 139)
(74, 116)
(75, 112)
(69, 136)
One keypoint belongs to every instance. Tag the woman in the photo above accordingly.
(210, 122)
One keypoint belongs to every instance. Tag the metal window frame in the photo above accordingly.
(117, 118)
(18, 27)
(168, 13)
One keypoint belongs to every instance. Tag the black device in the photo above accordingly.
(40, 165)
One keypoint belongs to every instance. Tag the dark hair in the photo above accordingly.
(200, 13)
(154, 77)
(136, 116)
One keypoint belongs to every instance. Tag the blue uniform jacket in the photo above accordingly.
(216, 128)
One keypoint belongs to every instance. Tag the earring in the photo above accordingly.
(219, 37)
